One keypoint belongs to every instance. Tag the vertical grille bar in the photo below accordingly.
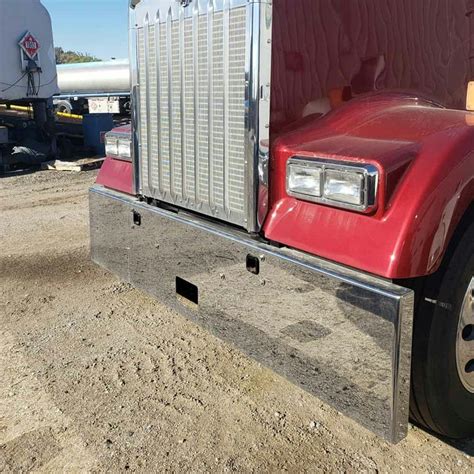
(169, 58)
(210, 111)
(203, 117)
(225, 170)
(196, 99)
(143, 132)
(237, 111)
(146, 41)
(176, 95)
(158, 46)
(184, 170)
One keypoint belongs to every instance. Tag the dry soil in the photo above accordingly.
(95, 376)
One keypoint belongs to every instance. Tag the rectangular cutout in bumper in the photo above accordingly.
(341, 335)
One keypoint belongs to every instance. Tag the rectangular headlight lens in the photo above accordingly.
(304, 179)
(345, 187)
(111, 146)
(124, 148)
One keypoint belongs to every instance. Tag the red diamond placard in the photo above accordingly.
(30, 45)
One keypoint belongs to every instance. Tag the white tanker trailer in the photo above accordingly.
(96, 87)
(27, 77)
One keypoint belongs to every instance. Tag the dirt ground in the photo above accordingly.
(96, 376)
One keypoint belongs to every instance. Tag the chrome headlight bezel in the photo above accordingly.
(368, 174)
(118, 146)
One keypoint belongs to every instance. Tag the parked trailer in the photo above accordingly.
(95, 87)
(27, 77)
(299, 180)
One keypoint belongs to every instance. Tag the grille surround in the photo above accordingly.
(204, 60)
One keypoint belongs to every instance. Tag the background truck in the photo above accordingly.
(96, 87)
(299, 180)
(27, 78)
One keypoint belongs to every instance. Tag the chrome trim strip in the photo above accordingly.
(342, 335)
(134, 81)
(135, 143)
(249, 125)
(263, 142)
(401, 367)
(258, 76)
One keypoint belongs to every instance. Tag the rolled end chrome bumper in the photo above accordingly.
(341, 335)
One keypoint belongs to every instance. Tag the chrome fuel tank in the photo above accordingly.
(95, 77)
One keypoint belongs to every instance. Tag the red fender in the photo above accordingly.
(425, 157)
(117, 175)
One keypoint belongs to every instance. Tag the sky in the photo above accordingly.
(97, 27)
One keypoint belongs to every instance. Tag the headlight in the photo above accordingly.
(347, 185)
(124, 147)
(118, 146)
(305, 179)
(111, 146)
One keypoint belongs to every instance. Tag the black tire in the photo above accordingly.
(439, 400)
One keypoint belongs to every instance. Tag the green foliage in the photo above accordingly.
(69, 57)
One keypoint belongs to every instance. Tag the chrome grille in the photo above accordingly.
(192, 112)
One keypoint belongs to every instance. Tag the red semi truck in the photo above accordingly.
(299, 180)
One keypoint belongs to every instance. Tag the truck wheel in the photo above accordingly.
(64, 107)
(442, 389)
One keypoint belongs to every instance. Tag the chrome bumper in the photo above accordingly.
(342, 335)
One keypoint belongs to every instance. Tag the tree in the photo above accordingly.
(69, 57)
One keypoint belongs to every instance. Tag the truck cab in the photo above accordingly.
(298, 179)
